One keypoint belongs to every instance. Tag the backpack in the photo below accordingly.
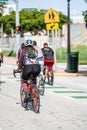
(29, 55)
(48, 53)
(30, 64)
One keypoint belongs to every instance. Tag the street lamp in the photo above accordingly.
(68, 26)
(72, 57)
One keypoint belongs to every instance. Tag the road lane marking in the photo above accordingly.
(79, 97)
(69, 92)
(52, 87)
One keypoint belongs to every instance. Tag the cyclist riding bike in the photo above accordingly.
(30, 69)
(39, 53)
(48, 54)
(27, 62)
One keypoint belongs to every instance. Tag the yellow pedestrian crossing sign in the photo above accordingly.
(51, 16)
(52, 26)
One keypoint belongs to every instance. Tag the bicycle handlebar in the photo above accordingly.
(16, 71)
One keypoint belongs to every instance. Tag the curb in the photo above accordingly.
(69, 74)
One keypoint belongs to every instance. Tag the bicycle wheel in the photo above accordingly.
(41, 85)
(23, 98)
(51, 78)
(36, 100)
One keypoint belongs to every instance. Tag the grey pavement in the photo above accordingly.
(59, 68)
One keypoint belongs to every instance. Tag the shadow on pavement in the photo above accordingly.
(2, 82)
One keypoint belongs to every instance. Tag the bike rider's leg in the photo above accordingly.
(34, 88)
(44, 69)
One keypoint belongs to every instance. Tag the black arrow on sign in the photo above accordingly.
(52, 26)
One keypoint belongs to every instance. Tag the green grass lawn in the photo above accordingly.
(7, 53)
(61, 54)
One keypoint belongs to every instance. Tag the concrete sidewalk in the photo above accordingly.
(59, 68)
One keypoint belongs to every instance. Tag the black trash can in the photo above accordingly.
(72, 62)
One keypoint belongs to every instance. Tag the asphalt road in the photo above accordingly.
(63, 107)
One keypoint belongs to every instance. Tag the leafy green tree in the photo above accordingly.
(32, 20)
(84, 13)
(63, 19)
(29, 21)
(8, 22)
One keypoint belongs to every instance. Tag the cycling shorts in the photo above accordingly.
(48, 63)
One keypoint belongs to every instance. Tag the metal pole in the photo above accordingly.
(68, 26)
(2, 32)
(53, 45)
(68, 35)
(17, 24)
(85, 1)
(60, 47)
(48, 36)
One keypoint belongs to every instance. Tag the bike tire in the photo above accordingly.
(41, 85)
(36, 100)
(51, 79)
(23, 98)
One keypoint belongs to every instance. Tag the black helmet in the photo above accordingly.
(22, 45)
(34, 43)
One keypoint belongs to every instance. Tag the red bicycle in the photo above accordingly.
(29, 93)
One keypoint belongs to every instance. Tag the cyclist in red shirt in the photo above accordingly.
(48, 54)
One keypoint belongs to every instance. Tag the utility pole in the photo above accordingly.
(68, 26)
(72, 57)
(17, 27)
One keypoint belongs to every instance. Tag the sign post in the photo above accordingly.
(51, 19)
(17, 27)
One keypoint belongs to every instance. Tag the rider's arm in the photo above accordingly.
(20, 60)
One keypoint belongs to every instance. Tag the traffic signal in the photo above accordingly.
(18, 28)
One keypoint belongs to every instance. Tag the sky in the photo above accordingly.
(76, 6)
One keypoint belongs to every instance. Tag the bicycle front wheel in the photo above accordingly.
(41, 85)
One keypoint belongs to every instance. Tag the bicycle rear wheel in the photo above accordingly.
(23, 98)
(41, 85)
(36, 100)
(51, 78)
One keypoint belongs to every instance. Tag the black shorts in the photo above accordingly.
(33, 69)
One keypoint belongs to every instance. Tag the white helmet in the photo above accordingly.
(28, 42)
